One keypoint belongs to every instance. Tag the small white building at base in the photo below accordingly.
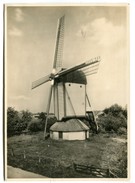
(73, 129)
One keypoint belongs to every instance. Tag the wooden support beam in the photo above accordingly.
(64, 93)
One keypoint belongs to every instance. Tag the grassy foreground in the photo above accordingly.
(55, 159)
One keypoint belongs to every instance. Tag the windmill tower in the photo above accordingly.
(68, 89)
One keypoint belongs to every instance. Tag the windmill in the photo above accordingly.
(68, 84)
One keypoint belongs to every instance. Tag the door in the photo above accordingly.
(60, 135)
(85, 134)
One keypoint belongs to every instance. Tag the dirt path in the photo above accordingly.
(120, 140)
(19, 173)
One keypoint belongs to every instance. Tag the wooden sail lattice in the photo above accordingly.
(59, 44)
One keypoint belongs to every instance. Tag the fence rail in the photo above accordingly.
(94, 171)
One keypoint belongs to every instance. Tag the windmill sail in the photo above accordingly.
(58, 88)
(80, 66)
(59, 44)
(40, 81)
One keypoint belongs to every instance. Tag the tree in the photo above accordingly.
(26, 116)
(115, 120)
(125, 112)
(114, 110)
(11, 113)
(12, 120)
(15, 125)
(50, 121)
(42, 116)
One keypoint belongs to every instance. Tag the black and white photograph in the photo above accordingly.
(66, 105)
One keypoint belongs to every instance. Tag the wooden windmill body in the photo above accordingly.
(69, 95)
(68, 89)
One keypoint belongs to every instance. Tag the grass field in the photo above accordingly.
(55, 159)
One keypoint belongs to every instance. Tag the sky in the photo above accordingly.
(90, 31)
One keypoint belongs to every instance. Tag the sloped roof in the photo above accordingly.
(72, 125)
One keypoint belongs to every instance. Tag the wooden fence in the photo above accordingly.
(94, 172)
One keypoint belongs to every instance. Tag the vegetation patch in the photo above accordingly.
(56, 159)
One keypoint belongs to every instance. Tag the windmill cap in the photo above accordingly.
(74, 77)
(72, 125)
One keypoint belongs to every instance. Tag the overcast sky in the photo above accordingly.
(30, 43)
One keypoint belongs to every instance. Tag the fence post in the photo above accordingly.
(12, 152)
(39, 159)
(74, 166)
(24, 154)
(108, 173)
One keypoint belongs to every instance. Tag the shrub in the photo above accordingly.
(122, 131)
(114, 120)
(50, 122)
(35, 126)
(38, 125)
(112, 124)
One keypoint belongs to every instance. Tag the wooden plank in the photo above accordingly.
(97, 172)
(64, 93)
